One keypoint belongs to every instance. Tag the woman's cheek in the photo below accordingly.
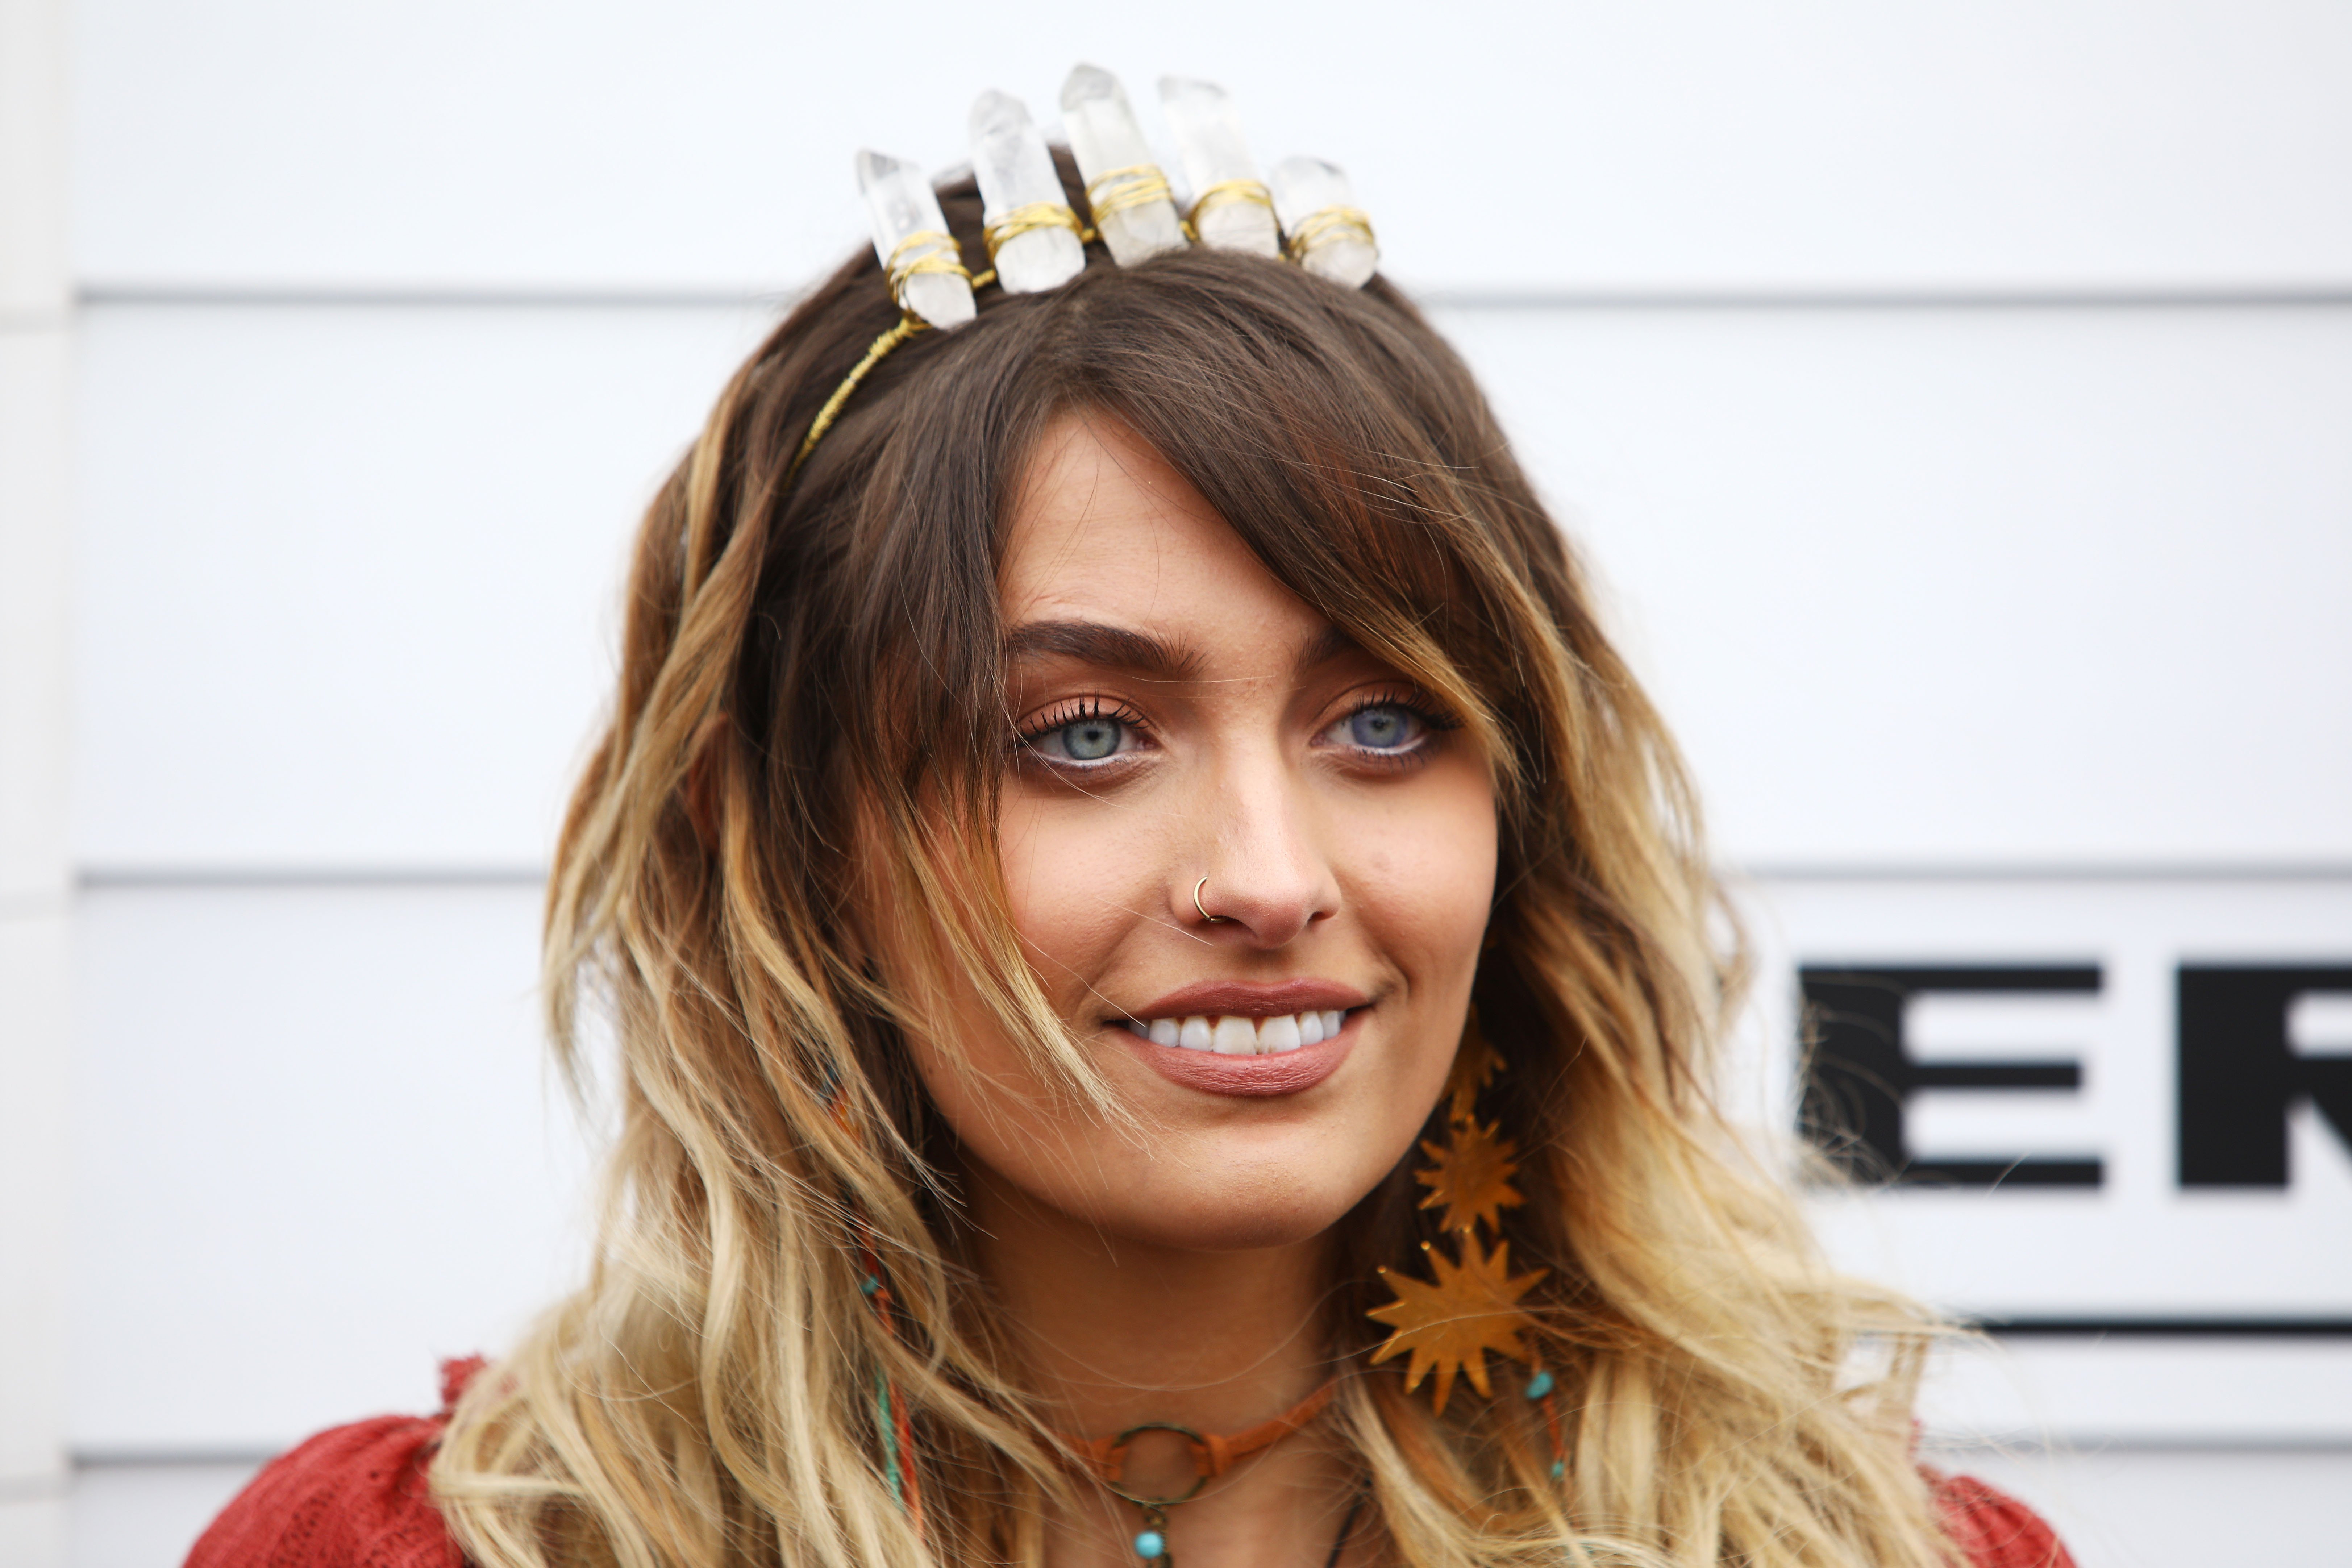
(1428, 860)
(1069, 877)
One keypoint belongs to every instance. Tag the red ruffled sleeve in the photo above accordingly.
(350, 1498)
(1994, 1530)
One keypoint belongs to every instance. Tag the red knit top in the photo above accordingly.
(356, 1497)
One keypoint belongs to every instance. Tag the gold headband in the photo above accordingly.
(909, 325)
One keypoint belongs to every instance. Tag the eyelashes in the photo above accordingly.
(1084, 732)
(1421, 704)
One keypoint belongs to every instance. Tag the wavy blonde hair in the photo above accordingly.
(806, 741)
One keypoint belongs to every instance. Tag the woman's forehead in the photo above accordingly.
(1113, 559)
(1104, 529)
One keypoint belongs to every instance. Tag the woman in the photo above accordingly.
(1165, 1003)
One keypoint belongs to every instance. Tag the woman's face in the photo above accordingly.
(1183, 716)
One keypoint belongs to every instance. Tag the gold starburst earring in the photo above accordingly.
(1448, 1325)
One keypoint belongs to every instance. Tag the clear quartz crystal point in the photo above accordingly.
(1015, 171)
(902, 204)
(1305, 191)
(1105, 139)
(1217, 161)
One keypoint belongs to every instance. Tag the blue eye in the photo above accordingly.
(1384, 727)
(1085, 734)
(1090, 740)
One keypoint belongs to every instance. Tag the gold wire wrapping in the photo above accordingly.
(1321, 227)
(932, 251)
(1028, 218)
(1116, 189)
(1224, 193)
(909, 325)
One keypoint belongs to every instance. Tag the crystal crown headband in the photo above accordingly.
(1304, 209)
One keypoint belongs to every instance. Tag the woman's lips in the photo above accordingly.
(1257, 1076)
(1248, 1037)
(1252, 999)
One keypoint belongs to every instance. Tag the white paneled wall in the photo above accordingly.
(1939, 586)
(1816, 145)
(369, 1168)
(1951, 399)
(353, 571)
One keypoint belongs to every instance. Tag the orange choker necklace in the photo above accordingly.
(1214, 1454)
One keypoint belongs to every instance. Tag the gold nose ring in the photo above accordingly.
(1205, 915)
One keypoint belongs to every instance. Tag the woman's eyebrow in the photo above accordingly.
(1329, 644)
(1095, 643)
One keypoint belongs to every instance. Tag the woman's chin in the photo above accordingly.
(1232, 1221)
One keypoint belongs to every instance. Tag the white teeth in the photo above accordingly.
(1235, 1037)
(1238, 1036)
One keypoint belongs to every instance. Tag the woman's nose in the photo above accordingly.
(1262, 875)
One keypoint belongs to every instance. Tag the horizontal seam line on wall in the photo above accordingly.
(1885, 298)
(2042, 871)
(432, 299)
(169, 1458)
(160, 877)
(1664, 299)
(1950, 1444)
(2192, 1328)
